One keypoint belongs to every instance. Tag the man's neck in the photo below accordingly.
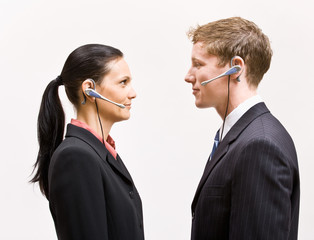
(236, 97)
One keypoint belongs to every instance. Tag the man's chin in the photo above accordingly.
(200, 105)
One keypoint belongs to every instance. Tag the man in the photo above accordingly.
(250, 186)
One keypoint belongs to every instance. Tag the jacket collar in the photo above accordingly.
(99, 148)
(254, 112)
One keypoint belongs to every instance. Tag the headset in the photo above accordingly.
(230, 71)
(92, 93)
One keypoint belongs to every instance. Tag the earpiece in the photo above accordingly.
(94, 84)
(231, 63)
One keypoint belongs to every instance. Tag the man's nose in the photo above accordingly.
(189, 78)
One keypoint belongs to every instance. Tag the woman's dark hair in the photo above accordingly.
(88, 61)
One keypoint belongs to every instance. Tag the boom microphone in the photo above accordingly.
(92, 93)
(231, 71)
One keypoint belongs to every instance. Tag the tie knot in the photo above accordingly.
(215, 145)
(217, 136)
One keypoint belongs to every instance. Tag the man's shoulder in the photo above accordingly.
(268, 128)
(268, 125)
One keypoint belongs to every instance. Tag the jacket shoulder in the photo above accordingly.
(73, 154)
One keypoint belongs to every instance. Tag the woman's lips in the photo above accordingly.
(195, 91)
(128, 105)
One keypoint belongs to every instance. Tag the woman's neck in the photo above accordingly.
(91, 119)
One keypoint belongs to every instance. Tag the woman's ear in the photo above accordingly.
(88, 83)
(239, 62)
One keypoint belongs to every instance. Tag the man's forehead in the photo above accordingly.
(199, 52)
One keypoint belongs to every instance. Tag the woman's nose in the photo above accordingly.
(132, 93)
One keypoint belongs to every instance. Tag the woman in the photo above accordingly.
(91, 193)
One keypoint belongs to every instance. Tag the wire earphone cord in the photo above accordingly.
(223, 124)
(102, 131)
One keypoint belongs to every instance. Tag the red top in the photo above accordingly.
(109, 143)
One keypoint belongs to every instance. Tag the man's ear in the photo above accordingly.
(88, 83)
(239, 62)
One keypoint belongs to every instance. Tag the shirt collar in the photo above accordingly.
(109, 143)
(238, 112)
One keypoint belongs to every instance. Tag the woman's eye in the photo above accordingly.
(123, 82)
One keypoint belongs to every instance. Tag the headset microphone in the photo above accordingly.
(231, 71)
(92, 93)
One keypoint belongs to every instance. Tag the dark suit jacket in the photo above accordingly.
(250, 189)
(92, 195)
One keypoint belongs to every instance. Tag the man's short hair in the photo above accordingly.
(236, 36)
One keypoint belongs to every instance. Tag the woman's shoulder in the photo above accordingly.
(73, 164)
(74, 151)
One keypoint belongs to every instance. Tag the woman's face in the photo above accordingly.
(116, 86)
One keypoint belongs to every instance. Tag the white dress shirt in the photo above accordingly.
(237, 113)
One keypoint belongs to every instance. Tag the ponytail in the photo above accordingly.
(50, 129)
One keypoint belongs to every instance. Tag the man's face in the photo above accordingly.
(204, 67)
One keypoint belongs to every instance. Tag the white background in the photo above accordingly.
(166, 142)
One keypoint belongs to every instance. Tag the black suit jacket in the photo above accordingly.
(250, 189)
(92, 195)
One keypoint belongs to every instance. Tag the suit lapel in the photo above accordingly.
(118, 165)
(223, 147)
(220, 152)
(100, 149)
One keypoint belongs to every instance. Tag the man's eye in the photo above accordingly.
(196, 64)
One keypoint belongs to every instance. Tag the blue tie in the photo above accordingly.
(216, 142)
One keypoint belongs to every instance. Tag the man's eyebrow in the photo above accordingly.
(194, 59)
